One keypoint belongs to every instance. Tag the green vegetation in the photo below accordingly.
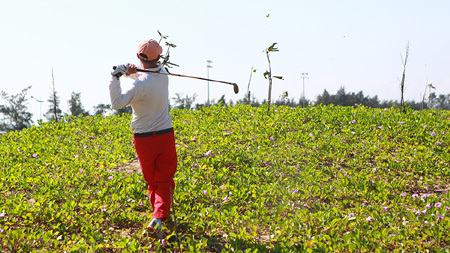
(316, 179)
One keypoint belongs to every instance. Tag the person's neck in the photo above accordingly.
(146, 65)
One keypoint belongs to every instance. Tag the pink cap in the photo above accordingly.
(149, 50)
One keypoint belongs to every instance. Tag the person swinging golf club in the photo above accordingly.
(153, 134)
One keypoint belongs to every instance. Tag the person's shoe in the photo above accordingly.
(156, 226)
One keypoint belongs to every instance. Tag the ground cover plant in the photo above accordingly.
(316, 179)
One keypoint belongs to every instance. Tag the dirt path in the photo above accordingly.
(131, 167)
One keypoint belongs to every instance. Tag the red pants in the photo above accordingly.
(158, 160)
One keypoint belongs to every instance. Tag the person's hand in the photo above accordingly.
(119, 70)
(131, 69)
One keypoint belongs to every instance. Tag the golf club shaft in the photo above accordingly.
(236, 88)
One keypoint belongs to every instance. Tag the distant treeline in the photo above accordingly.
(16, 116)
(342, 98)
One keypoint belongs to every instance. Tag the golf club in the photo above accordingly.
(235, 86)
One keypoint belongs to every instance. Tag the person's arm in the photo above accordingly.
(119, 99)
(133, 76)
(131, 73)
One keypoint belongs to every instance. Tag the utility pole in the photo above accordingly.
(40, 107)
(208, 66)
(304, 76)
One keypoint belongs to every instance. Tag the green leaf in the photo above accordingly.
(170, 44)
(314, 163)
(273, 48)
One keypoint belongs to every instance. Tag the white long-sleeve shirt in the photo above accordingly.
(149, 98)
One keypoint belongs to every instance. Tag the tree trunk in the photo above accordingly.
(270, 86)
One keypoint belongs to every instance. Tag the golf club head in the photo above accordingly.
(235, 88)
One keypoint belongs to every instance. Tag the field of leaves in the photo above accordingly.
(318, 179)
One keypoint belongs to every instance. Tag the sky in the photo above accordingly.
(355, 44)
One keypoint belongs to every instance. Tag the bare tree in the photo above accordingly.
(429, 86)
(248, 87)
(54, 112)
(268, 74)
(402, 84)
(166, 63)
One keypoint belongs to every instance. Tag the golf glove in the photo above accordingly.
(119, 70)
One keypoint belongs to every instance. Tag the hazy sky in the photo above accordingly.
(352, 43)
